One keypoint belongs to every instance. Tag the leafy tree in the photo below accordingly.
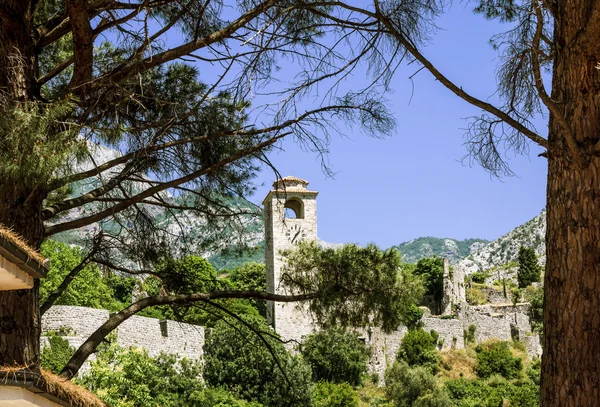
(529, 270)
(358, 286)
(432, 271)
(328, 394)
(250, 276)
(255, 367)
(336, 355)
(88, 288)
(414, 387)
(63, 92)
(495, 357)
(132, 378)
(78, 77)
(418, 348)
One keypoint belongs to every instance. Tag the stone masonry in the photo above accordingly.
(291, 216)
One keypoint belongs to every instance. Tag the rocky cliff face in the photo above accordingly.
(505, 249)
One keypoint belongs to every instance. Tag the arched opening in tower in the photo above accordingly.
(294, 209)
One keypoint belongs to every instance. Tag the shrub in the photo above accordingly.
(132, 378)
(236, 359)
(470, 334)
(418, 348)
(475, 296)
(492, 393)
(327, 394)
(515, 294)
(529, 269)
(478, 277)
(414, 387)
(413, 317)
(496, 358)
(55, 355)
(336, 355)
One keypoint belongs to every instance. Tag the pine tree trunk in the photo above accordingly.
(571, 359)
(19, 209)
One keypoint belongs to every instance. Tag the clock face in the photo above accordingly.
(295, 233)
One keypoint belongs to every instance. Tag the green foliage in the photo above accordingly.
(418, 348)
(529, 269)
(413, 317)
(495, 357)
(355, 286)
(495, 392)
(238, 360)
(414, 387)
(131, 378)
(36, 145)
(469, 334)
(328, 394)
(193, 274)
(475, 296)
(55, 355)
(88, 289)
(431, 270)
(478, 277)
(534, 371)
(336, 355)
(122, 287)
(535, 296)
(515, 295)
(216, 397)
(250, 277)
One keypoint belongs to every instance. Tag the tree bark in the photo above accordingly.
(20, 208)
(571, 359)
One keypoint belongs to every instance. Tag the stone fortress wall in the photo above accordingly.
(76, 324)
(500, 321)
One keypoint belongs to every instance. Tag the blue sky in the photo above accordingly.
(413, 183)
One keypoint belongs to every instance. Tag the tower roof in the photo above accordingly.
(290, 182)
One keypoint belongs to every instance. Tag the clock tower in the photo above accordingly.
(290, 213)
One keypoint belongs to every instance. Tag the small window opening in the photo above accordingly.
(294, 209)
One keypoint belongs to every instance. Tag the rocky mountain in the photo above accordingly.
(454, 250)
(505, 249)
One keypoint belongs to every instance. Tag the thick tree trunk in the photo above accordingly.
(571, 359)
(20, 209)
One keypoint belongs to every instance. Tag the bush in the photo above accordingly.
(492, 393)
(328, 394)
(529, 269)
(496, 358)
(132, 378)
(236, 359)
(478, 277)
(414, 387)
(413, 317)
(475, 296)
(418, 348)
(470, 334)
(55, 355)
(216, 397)
(336, 355)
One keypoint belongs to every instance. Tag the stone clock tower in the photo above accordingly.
(290, 212)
